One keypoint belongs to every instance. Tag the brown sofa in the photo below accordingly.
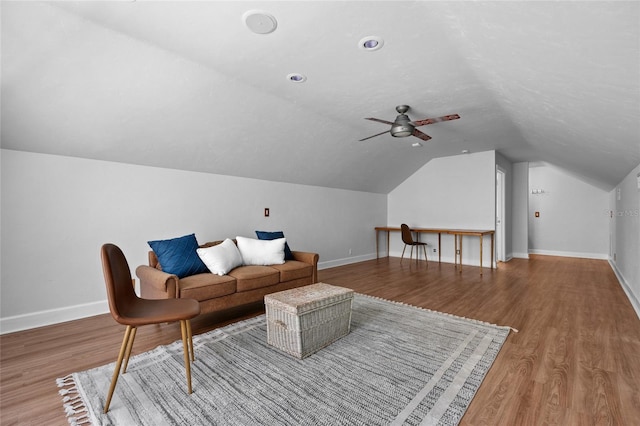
(242, 285)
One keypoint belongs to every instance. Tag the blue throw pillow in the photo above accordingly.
(264, 235)
(178, 256)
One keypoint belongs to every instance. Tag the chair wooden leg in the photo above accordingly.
(128, 334)
(402, 255)
(193, 354)
(185, 346)
(411, 254)
(425, 255)
(129, 347)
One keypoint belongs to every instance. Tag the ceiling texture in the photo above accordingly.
(187, 85)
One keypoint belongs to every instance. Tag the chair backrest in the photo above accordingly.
(117, 278)
(407, 238)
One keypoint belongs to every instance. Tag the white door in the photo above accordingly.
(500, 194)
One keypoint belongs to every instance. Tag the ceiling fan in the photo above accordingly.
(404, 127)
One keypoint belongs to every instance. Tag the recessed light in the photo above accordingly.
(371, 43)
(416, 144)
(260, 22)
(465, 151)
(296, 77)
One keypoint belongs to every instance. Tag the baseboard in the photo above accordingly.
(70, 313)
(520, 255)
(345, 261)
(53, 316)
(626, 287)
(433, 257)
(600, 256)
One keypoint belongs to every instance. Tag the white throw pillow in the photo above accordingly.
(221, 258)
(261, 252)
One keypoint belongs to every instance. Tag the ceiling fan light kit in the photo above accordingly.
(401, 130)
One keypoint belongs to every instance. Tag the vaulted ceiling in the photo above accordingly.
(187, 85)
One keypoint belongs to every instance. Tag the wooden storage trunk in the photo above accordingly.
(303, 320)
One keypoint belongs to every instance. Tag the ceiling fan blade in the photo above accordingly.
(374, 135)
(418, 134)
(435, 120)
(380, 121)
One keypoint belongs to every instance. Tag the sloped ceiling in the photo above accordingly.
(186, 85)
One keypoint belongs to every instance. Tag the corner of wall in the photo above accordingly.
(624, 235)
(635, 303)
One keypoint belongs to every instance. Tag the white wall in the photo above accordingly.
(520, 203)
(449, 192)
(625, 242)
(573, 215)
(57, 212)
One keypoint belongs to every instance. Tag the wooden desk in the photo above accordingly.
(388, 230)
(457, 235)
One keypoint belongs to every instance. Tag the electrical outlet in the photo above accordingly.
(434, 250)
(266, 212)
(350, 252)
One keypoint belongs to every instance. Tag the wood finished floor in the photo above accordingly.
(575, 360)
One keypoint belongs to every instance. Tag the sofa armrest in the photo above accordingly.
(155, 284)
(310, 258)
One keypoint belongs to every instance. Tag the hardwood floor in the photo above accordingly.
(574, 361)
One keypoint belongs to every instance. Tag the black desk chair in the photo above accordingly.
(408, 240)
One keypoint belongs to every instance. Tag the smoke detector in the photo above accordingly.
(260, 22)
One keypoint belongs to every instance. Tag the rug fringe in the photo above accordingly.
(72, 401)
(439, 312)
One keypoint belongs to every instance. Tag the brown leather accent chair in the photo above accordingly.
(408, 240)
(130, 310)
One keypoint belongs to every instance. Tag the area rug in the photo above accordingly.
(399, 365)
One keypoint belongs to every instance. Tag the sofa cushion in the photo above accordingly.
(259, 252)
(253, 276)
(221, 258)
(206, 286)
(266, 235)
(178, 256)
(292, 270)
